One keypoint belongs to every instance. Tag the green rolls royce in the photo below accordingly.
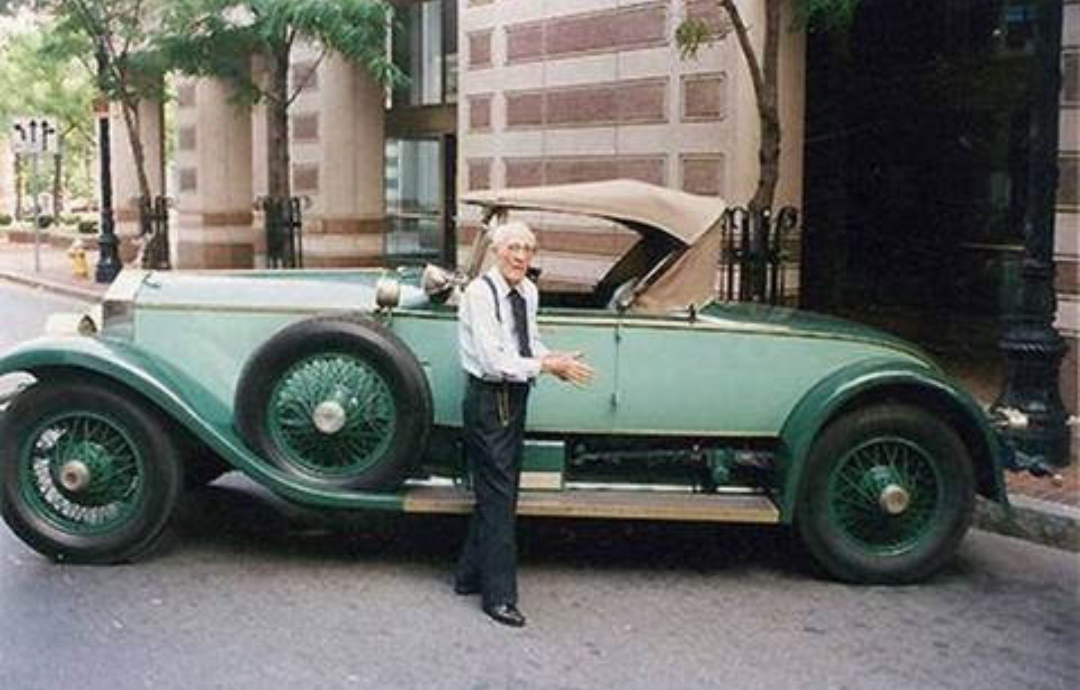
(341, 390)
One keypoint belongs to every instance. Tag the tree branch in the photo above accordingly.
(742, 33)
(307, 78)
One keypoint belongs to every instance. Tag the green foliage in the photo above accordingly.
(88, 227)
(34, 81)
(6, 219)
(218, 37)
(816, 15)
(690, 36)
(693, 34)
(113, 39)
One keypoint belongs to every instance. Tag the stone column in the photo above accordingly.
(345, 224)
(214, 179)
(125, 176)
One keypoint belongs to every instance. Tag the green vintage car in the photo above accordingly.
(341, 390)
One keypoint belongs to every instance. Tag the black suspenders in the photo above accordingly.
(494, 296)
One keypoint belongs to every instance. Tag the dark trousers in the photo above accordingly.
(494, 420)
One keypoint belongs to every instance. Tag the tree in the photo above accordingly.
(222, 38)
(112, 38)
(694, 32)
(34, 83)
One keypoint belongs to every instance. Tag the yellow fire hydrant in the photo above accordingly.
(77, 253)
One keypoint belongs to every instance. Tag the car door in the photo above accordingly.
(679, 375)
(556, 406)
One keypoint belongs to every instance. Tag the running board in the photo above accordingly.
(625, 505)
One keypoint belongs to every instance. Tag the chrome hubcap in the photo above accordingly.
(894, 499)
(75, 476)
(329, 417)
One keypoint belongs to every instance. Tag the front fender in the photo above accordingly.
(875, 379)
(183, 400)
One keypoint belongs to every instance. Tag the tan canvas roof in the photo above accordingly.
(685, 217)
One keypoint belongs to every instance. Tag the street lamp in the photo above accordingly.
(108, 255)
(1032, 349)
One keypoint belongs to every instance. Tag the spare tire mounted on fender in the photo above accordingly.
(339, 402)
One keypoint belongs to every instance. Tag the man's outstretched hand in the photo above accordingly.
(568, 366)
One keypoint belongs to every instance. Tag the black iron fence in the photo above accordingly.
(154, 232)
(283, 221)
(753, 254)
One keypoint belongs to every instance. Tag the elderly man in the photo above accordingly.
(502, 356)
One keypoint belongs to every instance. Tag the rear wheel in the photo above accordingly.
(87, 474)
(888, 495)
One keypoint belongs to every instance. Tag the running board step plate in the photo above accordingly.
(627, 505)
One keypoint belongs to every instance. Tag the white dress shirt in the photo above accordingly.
(489, 349)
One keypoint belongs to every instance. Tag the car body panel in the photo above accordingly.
(643, 363)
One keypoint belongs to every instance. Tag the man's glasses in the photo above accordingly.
(519, 248)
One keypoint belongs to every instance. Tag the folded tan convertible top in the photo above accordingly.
(681, 216)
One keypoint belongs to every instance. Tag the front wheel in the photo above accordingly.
(888, 494)
(87, 473)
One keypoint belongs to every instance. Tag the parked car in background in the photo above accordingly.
(341, 390)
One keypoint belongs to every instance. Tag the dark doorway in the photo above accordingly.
(915, 155)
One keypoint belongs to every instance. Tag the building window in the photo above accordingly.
(414, 200)
(425, 49)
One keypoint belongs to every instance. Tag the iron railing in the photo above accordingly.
(752, 254)
(154, 232)
(283, 222)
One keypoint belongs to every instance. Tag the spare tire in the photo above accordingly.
(338, 402)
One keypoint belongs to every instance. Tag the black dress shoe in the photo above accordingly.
(465, 588)
(507, 614)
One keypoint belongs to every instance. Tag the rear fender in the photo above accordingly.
(876, 380)
(180, 399)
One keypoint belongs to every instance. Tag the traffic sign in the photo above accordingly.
(30, 135)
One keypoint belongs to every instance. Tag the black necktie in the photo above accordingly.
(521, 322)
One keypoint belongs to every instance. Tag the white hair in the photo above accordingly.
(515, 230)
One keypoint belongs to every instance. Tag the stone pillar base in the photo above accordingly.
(343, 242)
(215, 240)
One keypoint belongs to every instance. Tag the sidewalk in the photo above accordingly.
(1041, 511)
(17, 265)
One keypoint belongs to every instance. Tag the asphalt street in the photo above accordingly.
(23, 311)
(248, 593)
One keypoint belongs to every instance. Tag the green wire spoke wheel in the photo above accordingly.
(89, 475)
(337, 403)
(888, 494)
(332, 414)
(82, 472)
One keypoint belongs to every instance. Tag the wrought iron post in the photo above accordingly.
(1032, 348)
(108, 250)
(154, 231)
(284, 224)
(752, 254)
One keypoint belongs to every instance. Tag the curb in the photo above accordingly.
(1030, 519)
(84, 294)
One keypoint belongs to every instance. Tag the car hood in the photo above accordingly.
(799, 323)
(305, 291)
